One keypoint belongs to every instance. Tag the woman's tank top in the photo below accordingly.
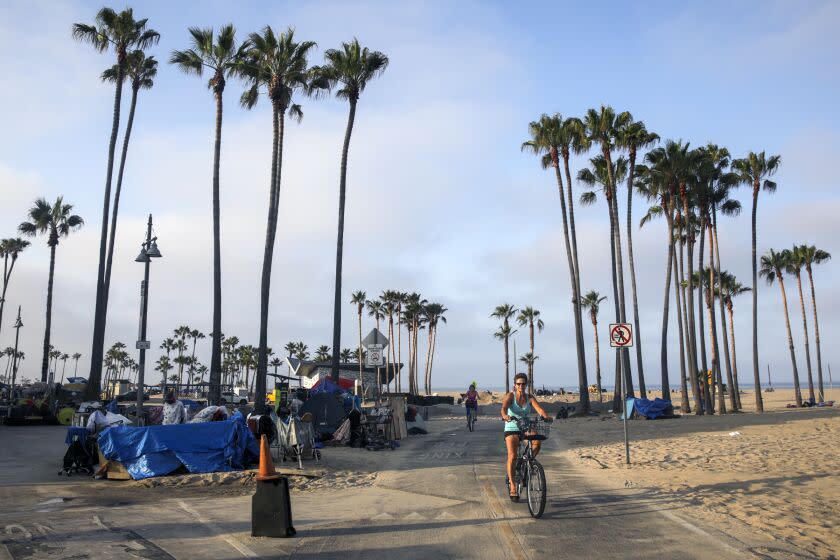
(519, 411)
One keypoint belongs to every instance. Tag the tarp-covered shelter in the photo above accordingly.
(200, 448)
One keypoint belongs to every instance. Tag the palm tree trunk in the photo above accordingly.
(361, 369)
(700, 299)
(576, 303)
(429, 363)
(93, 387)
(583, 383)
(215, 381)
(109, 259)
(805, 330)
(688, 315)
(531, 364)
(432, 359)
(734, 355)
(710, 306)
(597, 361)
(46, 360)
(796, 387)
(340, 243)
(507, 367)
(684, 406)
(817, 334)
(619, 269)
(399, 347)
(7, 275)
(734, 398)
(666, 385)
(759, 404)
(637, 342)
(617, 402)
(278, 122)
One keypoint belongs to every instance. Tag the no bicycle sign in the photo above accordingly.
(621, 335)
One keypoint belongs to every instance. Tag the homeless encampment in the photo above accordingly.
(200, 448)
(650, 409)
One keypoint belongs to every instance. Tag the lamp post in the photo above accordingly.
(148, 251)
(18, 325)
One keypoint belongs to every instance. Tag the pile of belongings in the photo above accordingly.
(97, 422)
(210, 414)
(650, 409)
(199, 448)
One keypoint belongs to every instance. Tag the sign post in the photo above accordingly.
(374, 342)
(621, 337)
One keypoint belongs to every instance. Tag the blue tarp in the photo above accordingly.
(201, 448)
(325, 385)
(650, 409)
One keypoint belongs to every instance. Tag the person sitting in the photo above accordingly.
(173, 410)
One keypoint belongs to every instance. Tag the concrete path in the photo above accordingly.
(442, 496)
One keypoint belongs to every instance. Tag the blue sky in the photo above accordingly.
(440, 199)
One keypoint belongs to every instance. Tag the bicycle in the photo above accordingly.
(472, 412)
(528, 471)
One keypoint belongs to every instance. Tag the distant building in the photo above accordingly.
(312, 373)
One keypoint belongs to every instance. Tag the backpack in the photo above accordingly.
(78, 458)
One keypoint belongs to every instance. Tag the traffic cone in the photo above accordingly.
(267, 471)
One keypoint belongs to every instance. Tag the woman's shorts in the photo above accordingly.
(516, 433)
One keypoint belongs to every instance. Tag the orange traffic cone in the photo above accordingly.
(267, 471)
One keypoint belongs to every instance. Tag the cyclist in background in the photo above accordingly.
(518, 404)
(471, 402)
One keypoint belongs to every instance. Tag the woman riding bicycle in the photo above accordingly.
(471, 401)
(518, 404)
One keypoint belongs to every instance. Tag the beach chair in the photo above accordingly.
(295, 438)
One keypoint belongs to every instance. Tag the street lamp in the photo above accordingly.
(148, 251)
(17, 327)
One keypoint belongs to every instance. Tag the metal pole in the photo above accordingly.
(830, 381)
(18, 325)
(144, 308)
(769, 382)
(623, 393)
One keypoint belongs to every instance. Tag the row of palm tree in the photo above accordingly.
(416, 314)
(774, 266)
(272, 64)
(526, 316)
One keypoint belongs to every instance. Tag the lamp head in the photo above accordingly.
(143, 256)
(153, 250)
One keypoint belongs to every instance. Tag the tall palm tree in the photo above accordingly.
(376, 309)
(222, 58)
(76, 357)
(795, 263)
(731, 288)
(811, 256)
(592, 302)
(349, 68)
(140, 71)
(302, 351)
(389, 304)
(433, 313)
(599, 175)
(531, 317)
(163, 365)
(551, 138)
(64, 358)
(528, 358)
(402, 299)
(346, 355)
(602, 126)
(56, 221)
(504, 312)
(123, 33)
(773, 266)
(413, 316)
(195, 335)
(10, 248)
(634, 136)
(753, 170)
(359, 299)
(277, 65)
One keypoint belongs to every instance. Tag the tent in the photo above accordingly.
(327, 411)
(650, 409)
(200, 448)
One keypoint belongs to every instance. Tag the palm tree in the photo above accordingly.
(76, 357)
(531, 317)
(163, 365)
(389, 304)
(811, 256)
(322, 354)
(140, 71)
(346, 355)
(504, 312)
(414, 319)
(602, 128)
(9, 249)
(53, 366)
(195, 335)
(634, 136)
(592, 302)
(753, 170)
(359, 299)
(302, 351)
(433, 313)
(529, 358)
(123, 33)
(773, 265)
(730, 288)
(794, 266)
(402, 299)
(56, 221)
(277, 64)
(350, 68)
(551, 137)
(599, 176)
(221, 57)
(64, 358)
(248, 360)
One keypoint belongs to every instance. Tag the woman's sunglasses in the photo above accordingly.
(520, 384)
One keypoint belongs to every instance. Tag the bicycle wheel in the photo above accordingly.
(471, 420)
(536, 489)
